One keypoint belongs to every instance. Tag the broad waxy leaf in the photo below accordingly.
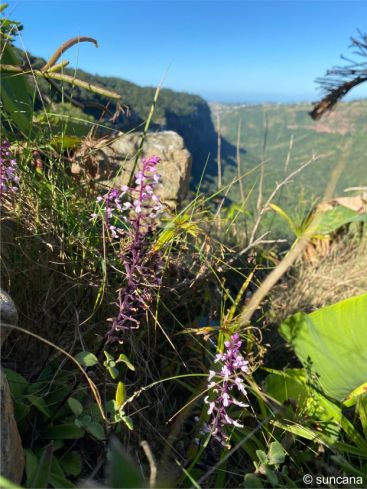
(276, 453)
(96, 430)
(17, 383)
(57, 481)
(57, 476)
(333, 219)
(332, 343)
(16, 93)
(362, 412)
(39, 403)
(31, 464)
(252, 481)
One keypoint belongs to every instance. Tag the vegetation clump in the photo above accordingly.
(209, 374)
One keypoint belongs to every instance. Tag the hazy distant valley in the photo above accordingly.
(283, 137)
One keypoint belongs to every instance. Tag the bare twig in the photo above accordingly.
(337, 93)
(289, 153)
(261, 181)
(273, 194)
(152, 465)
(219, 157)
(238, 160)
(272, 279)
(59, 66)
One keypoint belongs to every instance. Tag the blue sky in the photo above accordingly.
(233, 51)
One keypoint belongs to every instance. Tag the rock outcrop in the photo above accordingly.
(8, 314)
(116, 161)
(175, 164)
(11, 456)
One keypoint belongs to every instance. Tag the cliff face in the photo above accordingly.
(197, 129)
(115, 163)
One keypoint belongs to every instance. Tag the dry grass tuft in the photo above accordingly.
(310, 286)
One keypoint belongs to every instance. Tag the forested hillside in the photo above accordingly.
(187, 114)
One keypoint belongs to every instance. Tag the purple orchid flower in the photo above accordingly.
(9, 179)
(221, 396)
(142, 269)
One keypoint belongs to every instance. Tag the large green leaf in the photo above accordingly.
(288, 384)
(71, 463)
(17, 383)
(333, 219)
(16, 94)
(332, 344)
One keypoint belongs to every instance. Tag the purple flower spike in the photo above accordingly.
(8, 170)
(142, 268)
(221, 397)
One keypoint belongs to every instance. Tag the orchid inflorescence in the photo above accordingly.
(130, 214)
(222, 391)
(8, 168)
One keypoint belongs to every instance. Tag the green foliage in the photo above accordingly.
(121, 470)
(54, 424)
(7, 484)
(187, 114)
(333, 219)
(42, 469)
(16, 93)
(267, 461)
(64, 121)
(332, 343)
(67, 411)
(111, 364)
(291, 387)
(339, 141)
(324, 223)
(86, 358)
(171, 106)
